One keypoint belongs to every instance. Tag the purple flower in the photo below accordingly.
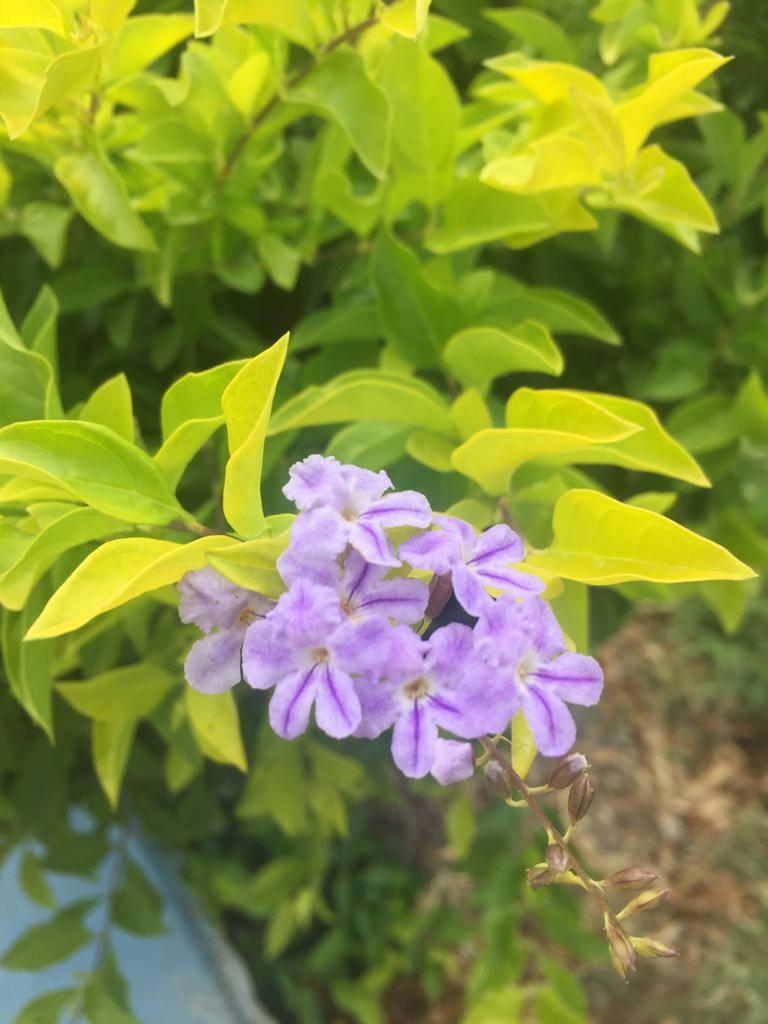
(454, 762)
(223, 611)
(426, 684)
(360, 585)
(308, 649)
(474, 562)
(523, 642)
(346, 505)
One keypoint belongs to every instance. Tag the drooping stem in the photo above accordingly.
(347, 36)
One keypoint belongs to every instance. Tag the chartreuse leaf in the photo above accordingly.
(366, 395)
(119, 571)
(252, 564)
(671, 76)
(111, 405)
(190, 413)
(291, 18)
(29, 666)
(523, 745)
(541, 424)
(50, 942)
(133, 691)
(549, 81)
(111, 744)
(27, 381)
(406, 17)
(32, 14)
(469, 414)
(417, 318)
(557, 161)
(101, 197)
(600, 541)
(247, 404)
(143, 39)
(75, 526)
(339, 89)
(431, 450)
(91, 463)
(208, 16)
(47, 1008)
(649, 447)
(216, 726)
(477, 355)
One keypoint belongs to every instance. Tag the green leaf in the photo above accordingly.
(216, 726)
(137, 906)
(101, 197)
(425, 119)
(336, 326)
(100, 1007)
(119, 571)
(119, 694)
(111, 744)
(470, 414)
(417, 318)
(252, 564)
(143, 39)
(76, 526)
(704, 424)
(752, 410)
(600, 541)
(190, 413)
(49, 943)
(730, 601)
(33, 881)
(524, 749)
(560, 311)
(208, 16)
(536, 29)
(649, 448)
(370, 445)
(460, 821)
(339, 89)
(111, 405)
(45, 225)
(91, 463)
(406, 17)
(366, 395)
(247, 405)
(477, 355)
(47, 1008)
(654, 501)
(29, 666)
(431, 450)
(26, 378)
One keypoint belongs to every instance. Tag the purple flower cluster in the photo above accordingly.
(344, 639)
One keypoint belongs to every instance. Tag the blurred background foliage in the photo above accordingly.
(191, 200)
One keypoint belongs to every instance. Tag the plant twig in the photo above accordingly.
(347, 36)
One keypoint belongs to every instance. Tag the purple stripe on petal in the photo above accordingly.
(337, 706)
(372, 544)
(575, 678)
(292, 702)
(402, 600)
(414, 739)
(510, 581)
(552, 724)
(403, 508)
(498, 545)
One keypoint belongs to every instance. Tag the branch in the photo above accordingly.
(260, 117)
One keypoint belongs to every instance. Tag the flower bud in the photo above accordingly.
(496, 778)
(539, 876)
(568, 771)
(440, 590)
(622, 951)
(557, 859)
(631, 878)
(651, 948)
(647, 900)
(580, 798)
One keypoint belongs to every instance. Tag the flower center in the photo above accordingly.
(320, 654)
(525, 666)
(416, 689)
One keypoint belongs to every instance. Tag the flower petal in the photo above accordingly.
(266, 658)
(575, 678)
(447, 653)
(552, 724)
(436, 550)
(337, 707)
(307, 614)
(378, 706)
(399, 599)
(484, 702)
(210, 600)
(370, 540)
(508, 581)
(292, 702)
(317, 538)
(363, 486)
(213, 663)
(454, 762)
(403, 508)
(414, 740)
(362, 646)
(469, 591)
(499, 546)
(315, 481)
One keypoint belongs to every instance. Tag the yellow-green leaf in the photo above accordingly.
(145, 38)
(557, 161)
(523, 745)
(32, 14)
(112, 406)
(216, 725)
(247, 405)
(469, 414)
(111, 744)
(252, 564)
(406, 17)
(601, 541)
(119, 571)
(477, 355)
(431, 450)
(133, 691)
(208, 16)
